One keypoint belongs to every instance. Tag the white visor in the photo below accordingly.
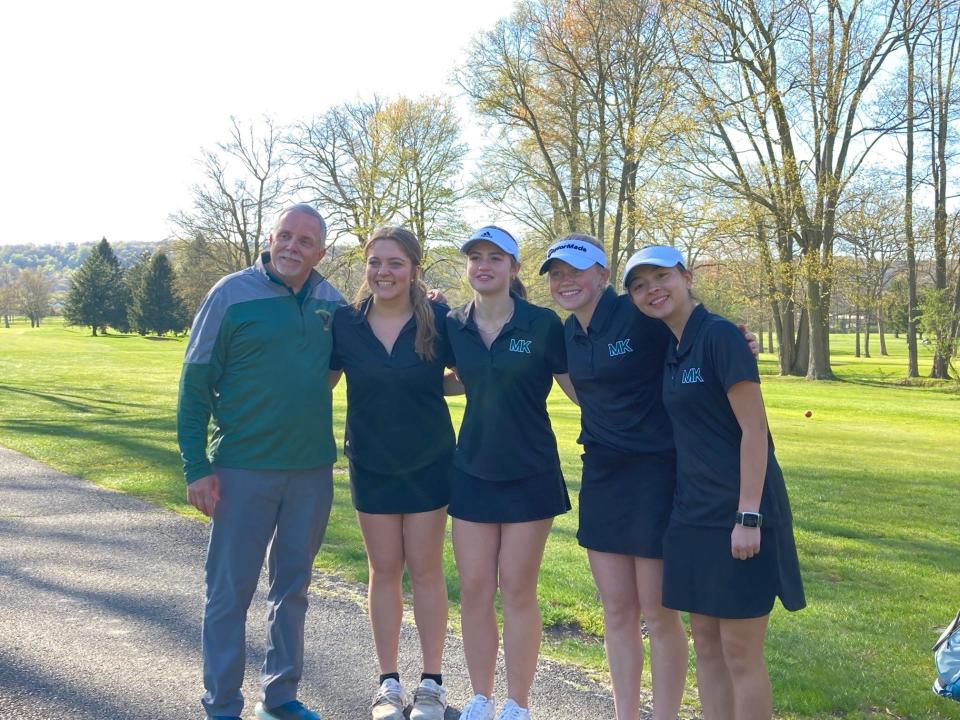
(659, 255)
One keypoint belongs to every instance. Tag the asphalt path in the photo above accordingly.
(100, 605)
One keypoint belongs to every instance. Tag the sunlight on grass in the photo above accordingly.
(872, 475)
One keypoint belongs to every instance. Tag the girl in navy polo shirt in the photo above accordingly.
(392, 345)
(615, 360)
(729, 549)
(507, 484)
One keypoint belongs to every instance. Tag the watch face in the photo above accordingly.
(750, 519)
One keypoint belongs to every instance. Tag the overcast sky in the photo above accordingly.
(107, 104)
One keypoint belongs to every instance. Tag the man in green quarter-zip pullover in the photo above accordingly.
(257, 364)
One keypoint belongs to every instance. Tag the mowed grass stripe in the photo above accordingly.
(872, 475)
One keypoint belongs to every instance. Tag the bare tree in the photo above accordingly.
(244, 187)
(581, 102)
(8, 293)
(370, 163)
(941, 56)
(779, 87)
(33, 294)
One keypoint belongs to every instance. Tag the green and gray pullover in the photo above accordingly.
(257, 363)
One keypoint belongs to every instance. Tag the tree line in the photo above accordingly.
(143, 298)
(799, 150)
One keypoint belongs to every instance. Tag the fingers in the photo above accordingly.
(204, 494)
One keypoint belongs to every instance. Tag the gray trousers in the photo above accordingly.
(285, 511)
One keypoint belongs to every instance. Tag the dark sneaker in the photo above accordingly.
(293, 710)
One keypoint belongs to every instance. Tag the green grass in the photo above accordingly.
(872, 475)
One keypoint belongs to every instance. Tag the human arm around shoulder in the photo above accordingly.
(751, 340)
(452, 385)
(746, 402)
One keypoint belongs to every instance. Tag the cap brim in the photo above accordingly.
(577, 261)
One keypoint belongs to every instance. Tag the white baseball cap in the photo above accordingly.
(577, 253)
(496, 235)
(659, 255)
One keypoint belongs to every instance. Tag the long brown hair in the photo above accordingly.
(422, 310)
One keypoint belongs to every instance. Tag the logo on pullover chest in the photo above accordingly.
(691, 376)
(620, 347)
(520, 346)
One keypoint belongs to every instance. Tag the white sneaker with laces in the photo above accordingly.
(480, 707)
(390, 701)
(429, 701)
(512, 711)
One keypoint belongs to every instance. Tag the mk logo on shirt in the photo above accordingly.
(620, 347)
(520, 346)
(691, 376)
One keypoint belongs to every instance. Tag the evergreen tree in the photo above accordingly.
(89, 300)
(156, 305)
(117, 300)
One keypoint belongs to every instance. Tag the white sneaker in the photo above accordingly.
(390, 701)
(429, 701)
(480, 707)
(512, 711)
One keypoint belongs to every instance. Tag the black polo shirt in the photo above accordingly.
(506, 432)
(711, 358)
(616, 367)
(397, 418)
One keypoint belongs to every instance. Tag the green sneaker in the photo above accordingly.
(293, 710)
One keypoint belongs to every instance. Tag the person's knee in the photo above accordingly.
(706, 641)
(620, 609)
(385, 570)
(660, 620)
(742, 656)
(477, 588)
(518, 591)
(425, 572)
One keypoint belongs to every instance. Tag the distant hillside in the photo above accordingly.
(61, 260)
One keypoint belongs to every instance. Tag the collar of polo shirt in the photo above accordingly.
(577, 253)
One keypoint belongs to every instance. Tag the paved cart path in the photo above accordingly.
(100, 602)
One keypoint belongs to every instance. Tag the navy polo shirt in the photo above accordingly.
(710, 359)
(506, 432)
(397, 418)
(616, 367)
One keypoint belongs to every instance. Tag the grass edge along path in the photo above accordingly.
(872, 476)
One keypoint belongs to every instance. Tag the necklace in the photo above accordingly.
(496, 331)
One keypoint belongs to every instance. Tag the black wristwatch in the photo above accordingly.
(750, 519)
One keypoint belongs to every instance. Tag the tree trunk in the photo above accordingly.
(760, 339)
(866, 335)
(856, 345)
(913, 367)
(883, 339)
(802, 352)
(819, 357)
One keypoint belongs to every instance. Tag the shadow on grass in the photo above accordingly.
(937, 554)
(128, 435)
(80, 403)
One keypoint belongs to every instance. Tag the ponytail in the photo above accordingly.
(423, 343)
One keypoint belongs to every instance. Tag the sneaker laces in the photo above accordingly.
(392, 693)
(431, 691)
(512, 711)
(475, 709)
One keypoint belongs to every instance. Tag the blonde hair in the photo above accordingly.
(423, 343)
(581, 237)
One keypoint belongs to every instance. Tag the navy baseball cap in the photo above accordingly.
(496, 235)
(659, 255)
(577, 253)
